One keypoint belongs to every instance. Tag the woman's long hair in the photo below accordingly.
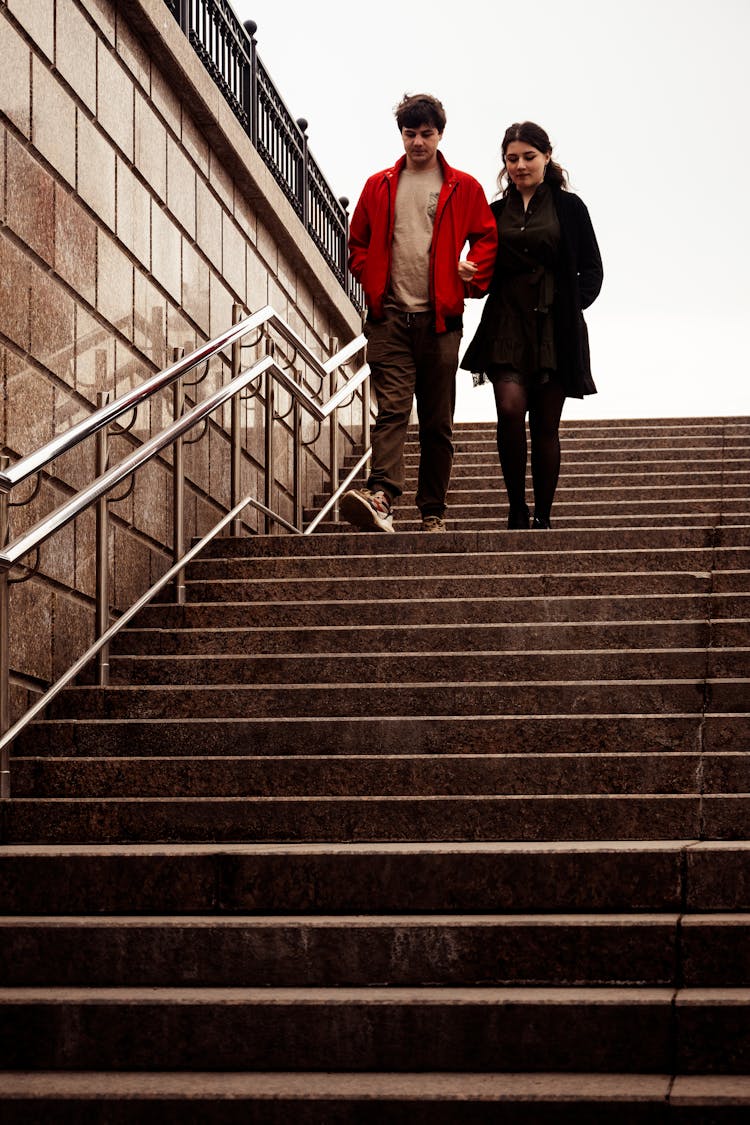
(536, 137)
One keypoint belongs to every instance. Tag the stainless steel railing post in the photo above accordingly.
(269, 447)
(178, 487)
(297, 465)
(235, 528)
(334, 457)
(102, 553)
(4, 642)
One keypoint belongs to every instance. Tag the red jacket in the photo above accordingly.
(462, 216)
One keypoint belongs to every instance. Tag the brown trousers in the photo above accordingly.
(408, 357)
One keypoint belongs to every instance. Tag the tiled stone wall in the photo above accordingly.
(133, 213)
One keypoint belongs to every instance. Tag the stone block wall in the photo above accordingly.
(134, 212)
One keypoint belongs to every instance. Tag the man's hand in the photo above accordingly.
(466, 269)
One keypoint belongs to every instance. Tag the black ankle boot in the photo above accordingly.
(540, 522)
(518, 519)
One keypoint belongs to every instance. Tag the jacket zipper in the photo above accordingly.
(433, 247)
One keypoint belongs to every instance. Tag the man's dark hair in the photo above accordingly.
(420, 109)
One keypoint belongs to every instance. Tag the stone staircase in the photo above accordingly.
(389, 828)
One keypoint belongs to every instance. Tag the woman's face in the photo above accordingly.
(525, 164)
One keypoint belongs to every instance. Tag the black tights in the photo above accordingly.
(544, 405)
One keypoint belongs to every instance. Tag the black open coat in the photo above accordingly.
(578, 279)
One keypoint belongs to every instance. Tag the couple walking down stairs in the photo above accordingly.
(389, 828)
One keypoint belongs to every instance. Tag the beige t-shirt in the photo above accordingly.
(416, 204)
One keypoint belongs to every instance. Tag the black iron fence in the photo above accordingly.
(227, 49)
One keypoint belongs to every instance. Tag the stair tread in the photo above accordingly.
(306, 1085)
(370, 921)
(374, 848)
(373, 995)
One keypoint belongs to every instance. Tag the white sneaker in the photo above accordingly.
(366, 510)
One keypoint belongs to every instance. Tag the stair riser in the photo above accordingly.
(380, 588)
(579, 878)
(440, 952)
(443, 951)
(585, 697)
(472, 1035)
(613, 472)
(342, 819)
(348, 668)
(480, 488)
(478, 543)
(457, 611)
(348, 776)
(432, 638)
(470, 503)
(407, 521)
(687, 450)
(465, 506)
(674, 561)
(631, 427)
(569, 734)
(414, 1108)
(715, 951)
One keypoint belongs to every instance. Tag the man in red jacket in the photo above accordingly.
(408, 232)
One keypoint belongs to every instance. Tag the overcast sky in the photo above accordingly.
(646, 103)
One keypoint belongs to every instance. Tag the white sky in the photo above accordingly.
(646, 102)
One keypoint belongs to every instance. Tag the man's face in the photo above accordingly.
(420, 145)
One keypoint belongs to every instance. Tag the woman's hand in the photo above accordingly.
(466, 269)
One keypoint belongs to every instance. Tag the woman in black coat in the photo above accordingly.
(532, 342)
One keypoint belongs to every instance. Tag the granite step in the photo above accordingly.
(523, 555)
(384, 667)
(341, 819)
(499, 637)
(534, 560)
(365, 774)
(476, 542)
(660, 452)
(628, 425)
(115, 774)
(622, 478)
(489, 490)
(384, 734)
(480, 611)
(309, 1098)
(439, 586)
(688, 444)
(470, 950)
(599, 471)
(653, 696)
(580, 877)
(695, 1031)
(355, 951)
(582, 504)
(408, 523)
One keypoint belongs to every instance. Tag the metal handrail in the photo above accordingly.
(54, 690)
(333, 499)
(45, 528)
(107, 480)
(27, 466)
